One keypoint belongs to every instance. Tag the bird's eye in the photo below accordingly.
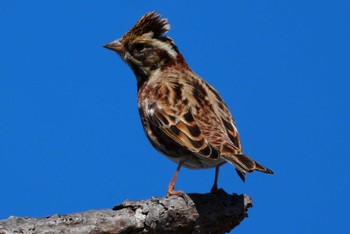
(139, 47)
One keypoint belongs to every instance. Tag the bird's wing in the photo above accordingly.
(181, 128)
(213, 117)
(228, 123)
(219, 128)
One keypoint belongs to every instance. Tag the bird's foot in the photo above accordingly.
(171, 192)
(217, 191)
(214, 189)
(179, 193)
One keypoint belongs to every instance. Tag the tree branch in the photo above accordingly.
(193, 213)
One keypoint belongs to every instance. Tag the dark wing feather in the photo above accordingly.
(228, 122)
(217, 121)
(183, 130)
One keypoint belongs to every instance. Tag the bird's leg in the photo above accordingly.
(171, 188)
(215, 185)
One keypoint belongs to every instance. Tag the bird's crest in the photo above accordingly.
(150, 23)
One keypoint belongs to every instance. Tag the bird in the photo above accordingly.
(183, 116)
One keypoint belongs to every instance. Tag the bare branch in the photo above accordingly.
(193, 213)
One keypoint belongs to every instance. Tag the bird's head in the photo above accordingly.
(145, 48)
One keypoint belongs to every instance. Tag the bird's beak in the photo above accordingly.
(114, 45)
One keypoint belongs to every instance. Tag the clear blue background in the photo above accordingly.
(71, 138)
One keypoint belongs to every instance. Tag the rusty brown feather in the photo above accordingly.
(183, 116)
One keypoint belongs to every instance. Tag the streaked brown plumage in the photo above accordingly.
(183, 116)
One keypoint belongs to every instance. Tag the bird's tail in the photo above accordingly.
(245, 164)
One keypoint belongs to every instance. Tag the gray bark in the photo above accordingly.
(193, 213)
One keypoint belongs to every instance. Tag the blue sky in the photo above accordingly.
(71, 138)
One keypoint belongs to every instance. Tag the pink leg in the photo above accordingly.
(171, 188)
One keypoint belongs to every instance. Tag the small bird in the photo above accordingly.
(183, 116)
